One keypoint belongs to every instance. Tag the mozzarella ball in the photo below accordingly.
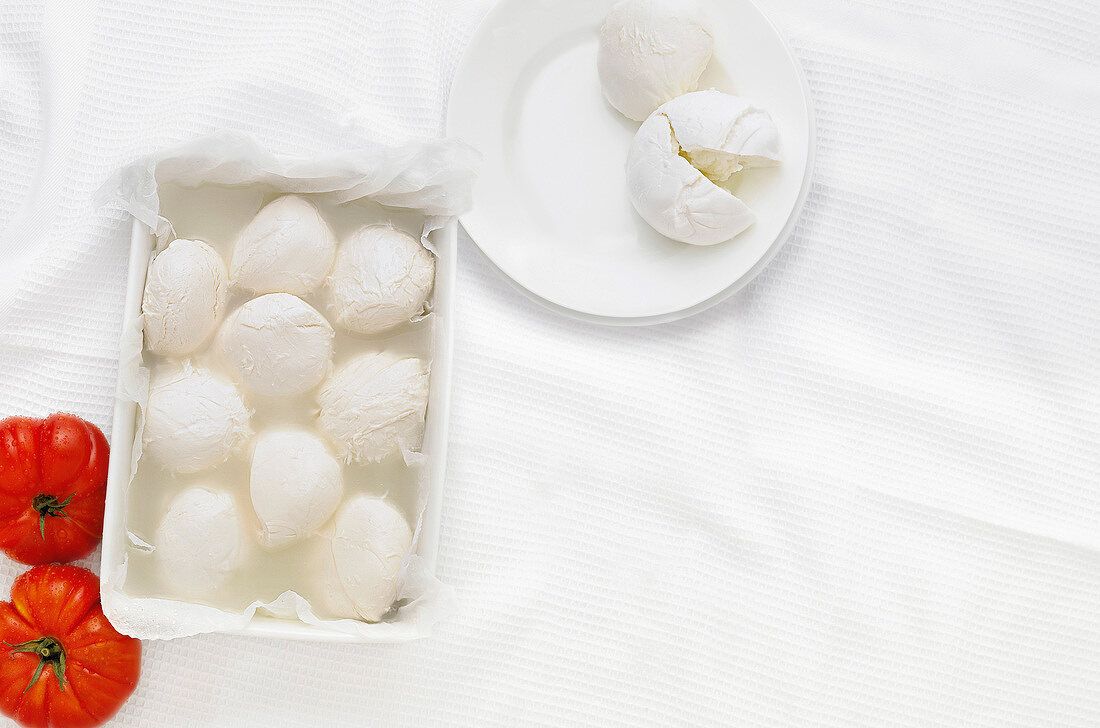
(381, 280)
(276, 345)
(359, 565)
(287, 248)
(199, 542)
(295, 484)
(651, 51)
(194, 419)
(720, 133)
(374, 405)
(674, 195)
(184, 297)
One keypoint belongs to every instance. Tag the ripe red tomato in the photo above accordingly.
(53, 479)
(68, 667)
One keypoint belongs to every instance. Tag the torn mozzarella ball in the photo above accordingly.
(287, 248)
(720, 134)
(381, 280)
(375, 404)
(651, 51)
(361, 562)
(194, 419)
(669, 178)
(184, 297)
(295, 484)
(199, 542)
(277, 345)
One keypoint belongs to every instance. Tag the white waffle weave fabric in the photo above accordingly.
(863, 492)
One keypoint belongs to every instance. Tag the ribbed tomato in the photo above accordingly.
(53, 479)
(68, 667)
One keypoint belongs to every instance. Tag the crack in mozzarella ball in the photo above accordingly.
(200, 542)
(277, 345)
(295, 484)
(720, 134)
(287, 248)
(651, 51)
(360, 564)
(374, 405)
(184, 298)
(670, 179)
(194, 420)
(382, 279)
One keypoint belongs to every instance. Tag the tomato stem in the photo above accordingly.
(47, 505)
(50, 652)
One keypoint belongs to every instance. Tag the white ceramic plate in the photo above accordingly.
(550, 206)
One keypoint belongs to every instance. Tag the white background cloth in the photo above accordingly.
(863, 492)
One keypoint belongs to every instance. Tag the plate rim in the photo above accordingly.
(745, 279)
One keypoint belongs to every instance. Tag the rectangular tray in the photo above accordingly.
(142, 243)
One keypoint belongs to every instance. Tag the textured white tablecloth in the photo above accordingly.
(863, 492)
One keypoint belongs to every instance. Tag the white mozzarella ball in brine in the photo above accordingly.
(184, 297)
(277, 345)
(200, 542)
(295, 484)
(287, 248)
(361, 562)
(194, 419)
(382, 279)
(374, 405)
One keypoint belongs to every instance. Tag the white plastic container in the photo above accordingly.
(129, 611)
